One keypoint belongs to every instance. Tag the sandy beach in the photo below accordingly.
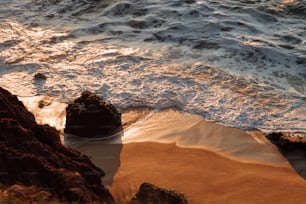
(208, 162)
(237, 168)
(205, 177)
(193, 96)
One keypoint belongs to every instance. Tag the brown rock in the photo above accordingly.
(92, 117)
(32, 154)
(40, 76)
(148, 193)
(11, 107)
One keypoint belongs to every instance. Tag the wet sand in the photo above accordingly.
(207, 162)
(204, 177)
(216, 164)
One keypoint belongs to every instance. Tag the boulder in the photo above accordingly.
(286, 141)
(36, 166)
(148, 193)
(33, 155)
(90, 116)
(40, 76)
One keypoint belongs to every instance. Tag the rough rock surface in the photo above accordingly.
(40, 76)
(287, 142)
(11, 107)
(293, 148)
(19, 194)
(32, 154)
(90, 116)
(148, 193)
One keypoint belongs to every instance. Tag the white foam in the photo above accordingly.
(51, 111)
(224, 64)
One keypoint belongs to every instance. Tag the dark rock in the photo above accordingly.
(43, 103)
(90, 116)
(226, 29)
(285, 142)
(293, 148)
(275, 137)
(32, 154)
(137, 24)
(203, 44)
(19, 194)
(11, 107)
(190, 1)
(149, 193)
(40, 76)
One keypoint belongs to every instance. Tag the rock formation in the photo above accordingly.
(11, 107)
(148, 193)
(90, 116)
(40, 76)
(286, 142)
(36, 167)
(32, 154)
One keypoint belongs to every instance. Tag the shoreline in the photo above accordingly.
(205, 161)
(169, 126)
(202, 175)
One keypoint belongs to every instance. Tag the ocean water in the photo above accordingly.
(238, 63)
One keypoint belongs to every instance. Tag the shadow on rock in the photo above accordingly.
(94, 127)
(293, 147)
(89, 116)
(32, 154)
(149, 193)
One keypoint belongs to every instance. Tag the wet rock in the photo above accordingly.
(190, 1)
(32, 155)
(40, 76)
(286, 142)
(293, 148)
(43, 103)
(226, 29)
(202, 44)
(90, 116)
(137, 24)
(148, 193)
(275, 137)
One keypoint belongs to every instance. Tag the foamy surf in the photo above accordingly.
(241, 64)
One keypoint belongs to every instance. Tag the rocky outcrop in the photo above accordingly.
(36, 167)
(40, 76)
(32, 154)
(293, 148)
(148, 193)
(90, 116)
(11, 107)
(286, 142)
(20, 194)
